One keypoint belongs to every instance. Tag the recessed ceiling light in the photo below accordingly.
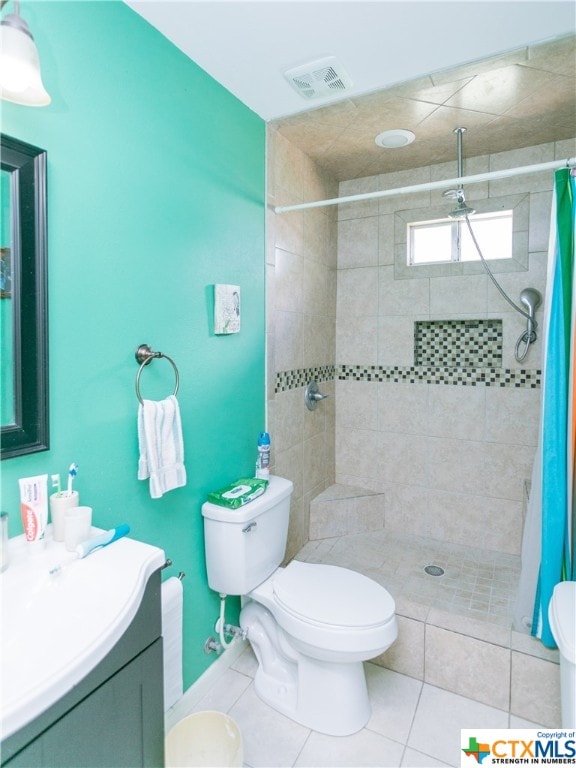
(395, 138)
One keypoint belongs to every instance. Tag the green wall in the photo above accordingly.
(155, 193)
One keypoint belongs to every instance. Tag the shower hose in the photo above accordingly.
(529, 336)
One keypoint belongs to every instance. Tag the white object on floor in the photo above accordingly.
(204, 739)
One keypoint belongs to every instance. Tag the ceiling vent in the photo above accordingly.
(324, 77)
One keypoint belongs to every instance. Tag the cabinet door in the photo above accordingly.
(120, 725)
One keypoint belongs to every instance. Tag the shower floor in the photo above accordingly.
(477, 583)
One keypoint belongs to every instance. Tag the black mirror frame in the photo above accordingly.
(30, 431)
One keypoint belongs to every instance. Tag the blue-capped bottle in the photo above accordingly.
(263, 461)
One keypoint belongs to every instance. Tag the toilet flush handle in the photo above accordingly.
(250, 527)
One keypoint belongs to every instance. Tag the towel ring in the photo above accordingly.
(144, 355)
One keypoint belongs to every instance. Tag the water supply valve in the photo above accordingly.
(230, 630)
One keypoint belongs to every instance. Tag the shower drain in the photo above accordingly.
(434, 570)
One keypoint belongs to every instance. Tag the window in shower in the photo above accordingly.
(441, 241)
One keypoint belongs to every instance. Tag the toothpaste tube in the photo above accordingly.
(34, 508)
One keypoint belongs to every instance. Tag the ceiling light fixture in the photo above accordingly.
(397, 137)
(20, 78)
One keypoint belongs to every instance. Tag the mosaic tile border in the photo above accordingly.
(489, 377)
(286, 380)
(472, 377)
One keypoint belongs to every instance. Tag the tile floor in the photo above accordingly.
(478, 583)
(413, 724)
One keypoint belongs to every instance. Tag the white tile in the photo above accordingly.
(364, 748)
(519, 722)
(414, 759)
(247, 663)
(225, 692)
(393, 698)
(270, 739)
(440, 716)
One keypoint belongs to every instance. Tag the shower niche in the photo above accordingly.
(458, 343)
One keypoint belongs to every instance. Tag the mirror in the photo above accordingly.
(24, 424)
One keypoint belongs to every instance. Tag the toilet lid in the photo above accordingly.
(328, 594)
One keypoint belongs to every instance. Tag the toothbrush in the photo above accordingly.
(72, 472)
(91, 545)
(56, 484)
(102, 540)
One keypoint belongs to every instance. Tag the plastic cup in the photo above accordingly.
(77, 526)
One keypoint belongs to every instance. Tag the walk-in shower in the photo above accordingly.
(430, 460)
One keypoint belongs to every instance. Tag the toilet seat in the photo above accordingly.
(333, 596)
(330, 613)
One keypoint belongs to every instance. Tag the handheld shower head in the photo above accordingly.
(531, 299)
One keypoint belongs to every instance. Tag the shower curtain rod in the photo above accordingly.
(445, 183)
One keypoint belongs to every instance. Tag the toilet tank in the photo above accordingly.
(244, 546)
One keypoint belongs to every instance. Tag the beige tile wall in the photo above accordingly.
(301, 319)
(451, 460)
(491, 664)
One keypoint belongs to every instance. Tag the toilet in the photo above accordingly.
(311, 625)
(562, 617)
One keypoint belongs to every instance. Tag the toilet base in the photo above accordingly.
(328, 697)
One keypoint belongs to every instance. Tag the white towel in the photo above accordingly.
(161, 445)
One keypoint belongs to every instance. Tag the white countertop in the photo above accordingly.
(57, 628)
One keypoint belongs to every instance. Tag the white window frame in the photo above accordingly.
(455, 229)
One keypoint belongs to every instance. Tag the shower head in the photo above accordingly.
(531, 299)
(461, 210)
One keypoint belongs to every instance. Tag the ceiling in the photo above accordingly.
(504, 69)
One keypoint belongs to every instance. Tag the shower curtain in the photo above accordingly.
(554, 470)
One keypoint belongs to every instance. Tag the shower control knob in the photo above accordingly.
(312, 395)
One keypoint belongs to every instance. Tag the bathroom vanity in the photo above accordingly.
(82, 671)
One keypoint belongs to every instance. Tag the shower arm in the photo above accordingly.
(459, 132)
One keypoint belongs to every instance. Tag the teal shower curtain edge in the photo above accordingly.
(556, 506)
